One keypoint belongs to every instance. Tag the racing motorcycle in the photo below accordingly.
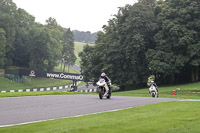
(101, 89)
(153, 91)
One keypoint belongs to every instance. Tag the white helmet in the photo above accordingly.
(152, 81)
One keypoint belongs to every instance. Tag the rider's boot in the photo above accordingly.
(105, 95)
(157, 92)
(109, 91)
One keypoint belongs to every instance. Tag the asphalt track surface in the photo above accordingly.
(29, 109)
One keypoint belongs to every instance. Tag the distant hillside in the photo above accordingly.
(85, 37)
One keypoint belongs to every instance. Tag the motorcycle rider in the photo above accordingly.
(154, 84)
(108, 83)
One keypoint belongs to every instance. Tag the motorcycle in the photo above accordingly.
(101, 89)
(153, 91)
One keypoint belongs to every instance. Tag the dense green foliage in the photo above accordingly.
(2, 47)
(23, 42)
(151, 37)
(85, 37)
(175, 58)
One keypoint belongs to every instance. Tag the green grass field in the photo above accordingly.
(78, 48)
(169, 117)
(38, 93)
(29, 83)
(60, 67)
(187, 91)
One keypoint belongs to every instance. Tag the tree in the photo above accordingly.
(86, 37)
(21, 44)
(65, 42)
(68, 48)
(39, 48)
(176, 55)
(55, 44)
(2, 47)
(120, 50)
(7, 22)
(29, 44)
(92, 59)
(86, 63)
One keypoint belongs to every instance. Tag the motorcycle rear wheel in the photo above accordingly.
(109, 95)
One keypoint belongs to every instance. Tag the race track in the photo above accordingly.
(20, 110)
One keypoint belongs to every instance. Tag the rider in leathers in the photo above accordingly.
(108, 83)
(154, 84)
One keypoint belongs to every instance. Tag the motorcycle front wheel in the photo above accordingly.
(153, 95)
(101, 93)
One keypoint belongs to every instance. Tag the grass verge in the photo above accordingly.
(169, 117)
(6, 84)
(60, 67)
(187, 91)
(38, 93)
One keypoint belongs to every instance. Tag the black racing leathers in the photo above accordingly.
(154, 84)
(108, 81)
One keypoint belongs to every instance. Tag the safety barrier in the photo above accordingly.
(50, 89)
(38, 89)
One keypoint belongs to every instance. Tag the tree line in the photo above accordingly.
(150, 37)
(26, 43)
(86, 37)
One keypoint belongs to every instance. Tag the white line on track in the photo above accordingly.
(53, 102)
(62, 118)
